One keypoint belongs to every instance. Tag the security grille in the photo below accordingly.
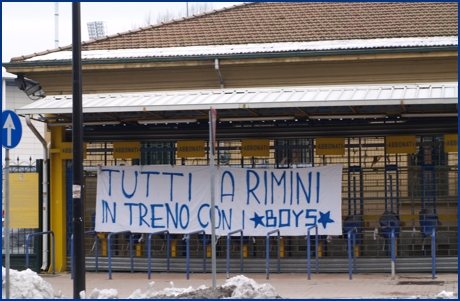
(375, 186)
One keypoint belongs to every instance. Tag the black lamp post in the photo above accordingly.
(77, 148)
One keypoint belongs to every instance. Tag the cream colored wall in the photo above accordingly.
(29, 148)
(302, 71)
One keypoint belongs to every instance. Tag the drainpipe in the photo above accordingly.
(218, 73)
(46, 148)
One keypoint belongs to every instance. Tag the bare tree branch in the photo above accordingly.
(193, 9)
(147, 19)
(165, 16)
(199, 7)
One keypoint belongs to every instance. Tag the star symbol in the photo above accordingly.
(257, 220)
(325, 219)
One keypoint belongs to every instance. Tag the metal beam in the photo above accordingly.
(100, 134)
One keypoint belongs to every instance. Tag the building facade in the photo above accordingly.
(290, 73)
(30, 149)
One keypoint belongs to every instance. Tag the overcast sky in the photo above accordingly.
(28, 27)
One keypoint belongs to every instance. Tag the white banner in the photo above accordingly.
(145, 199)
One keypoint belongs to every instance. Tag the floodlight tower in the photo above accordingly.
(97, 29)
(56, 24)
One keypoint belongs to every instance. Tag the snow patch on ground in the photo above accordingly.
(29, 285)
(446, 295)
(238, 287)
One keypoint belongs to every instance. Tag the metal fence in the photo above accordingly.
(413, 191)
(18, 235)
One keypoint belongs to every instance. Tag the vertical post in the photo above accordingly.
(72, 264)
(52, 250)
(228, 255)
(348, 174)
(109, 256)
(349, 234)
(7, 222)
(168, 244)
(212, 141)
(316, 242)
(433, 254)
(393, 254)
(354, 251)
(241, 252)
(267, 257)
(204, 252)
(97, 254)
(187, 260)
(308, 254)
(279, 251)
(349, 255)
(77, 148)
(149, 255)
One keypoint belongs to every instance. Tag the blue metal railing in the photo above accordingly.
(52, 246)
(228, 251)
(267, 264)
(308, 249)
(96, 243)
(72, 254)
(393, 254)
(149, 246)
(433, 253)
(110, 250)
(350, 233)
(187, 240)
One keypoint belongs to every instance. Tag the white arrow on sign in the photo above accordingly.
(9, 125)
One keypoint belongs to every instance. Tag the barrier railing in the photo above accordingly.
(187, 240)
(95, 247)
(350, 233)
(309, 251)
(149, 246)
(52, 246)
(228, 251)
(393, 254)
(267, 264)
(72, 254)
(110, 250)
(433, 253)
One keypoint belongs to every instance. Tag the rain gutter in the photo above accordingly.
(45, 226)
(235, 56)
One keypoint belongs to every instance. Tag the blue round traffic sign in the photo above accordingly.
(11, 129)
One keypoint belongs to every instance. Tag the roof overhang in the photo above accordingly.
(272, 112)
(242, 51)
(360, 103)
(216, 50)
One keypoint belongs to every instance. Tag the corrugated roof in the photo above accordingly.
(250, 48)
(301, 97)
(282, 22)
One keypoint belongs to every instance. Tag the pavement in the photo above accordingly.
(291, 286)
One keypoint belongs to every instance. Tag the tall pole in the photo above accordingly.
(212, 141)
(77, 148)
(7, 222)
(56, 24)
